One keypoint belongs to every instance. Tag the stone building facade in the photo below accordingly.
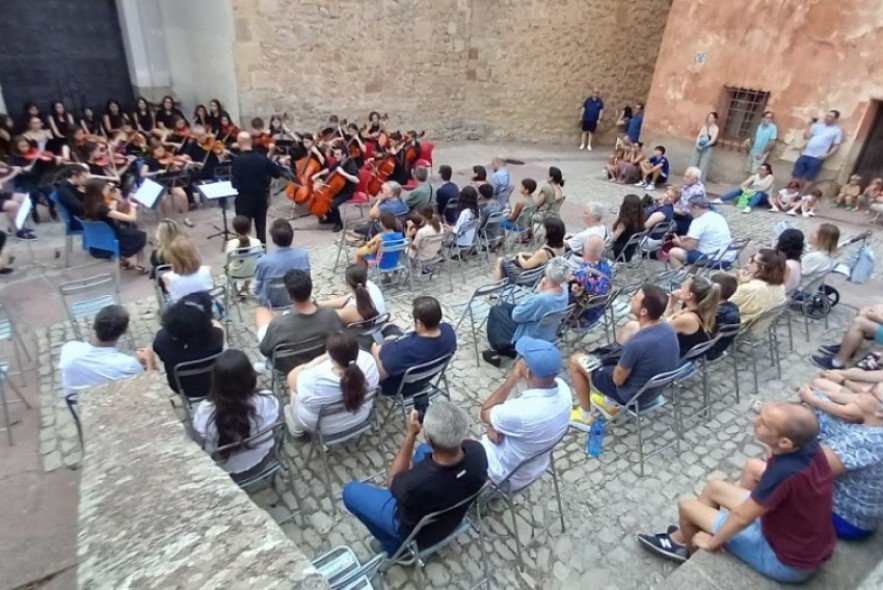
(806, 56)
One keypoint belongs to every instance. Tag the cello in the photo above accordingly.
(380, 173)
(304, 169)
(324, 194)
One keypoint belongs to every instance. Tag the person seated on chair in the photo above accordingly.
(709, 233)
(446, 470)
(188, 274)
(649, 351)
(525, 201)
(501, 179)
(364, 302)
(593, 214)
(189, 333)
(467, 212)
(692, 187)
(430, 340)
(521, 427)
(507, 322)
(780, 523)
(867, 325)
(425, 225)
(487, 206)
(243, 243)
(591, 279)
(131, 239)
(692, 311)
(86, 364)
(511, 267)
(629, 222)
(235, 411)
(727, 312)
(761, 286)
(344, 373)
(166, 231)
(791, 244)
(819, 261)
(391, 234)
(274, 265)
(306, 321)
(389, 200)
(446, 192)
(424, 192)
(71, 192)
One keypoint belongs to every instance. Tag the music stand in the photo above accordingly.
(149, 194)
(216, 191)
(21, 223)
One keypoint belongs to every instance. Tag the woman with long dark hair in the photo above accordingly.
(234, 411)
(167, 113)
(60, 123)
(365, 300)
(114, 117)
(345, 373)
(142, 117)
(215, 112)
(629, 222)
(201, 117)
(466, 214)
(791, 243)
(131, 239)
(511, 267)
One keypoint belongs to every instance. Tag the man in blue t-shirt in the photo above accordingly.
(634, 130)
(655, 170)
(823, 140)
(589, 116)
(651, 350)
(448, 192)
(430, 340)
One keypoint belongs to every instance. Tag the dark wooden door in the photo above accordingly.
(870, 163)
(71, 50)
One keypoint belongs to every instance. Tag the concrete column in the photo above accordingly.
(145, 42)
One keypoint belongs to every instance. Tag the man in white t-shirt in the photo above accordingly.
(85, 364)
(709, 233)
(593, 214)
(519, 428)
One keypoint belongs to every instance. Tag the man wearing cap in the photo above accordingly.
(520, 428)
(709, 233)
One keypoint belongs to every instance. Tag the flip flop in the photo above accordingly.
(871, 362)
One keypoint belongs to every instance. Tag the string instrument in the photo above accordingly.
(122, 205)
(37, 155)
(380, 173)
(412, 150)
(263, 140)
(304, 169)
(229, 134)
(172, 160)
(320, 204)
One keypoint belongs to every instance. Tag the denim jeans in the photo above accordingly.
(758, 199)
(376, 507)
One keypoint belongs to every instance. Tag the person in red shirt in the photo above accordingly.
(782, 528)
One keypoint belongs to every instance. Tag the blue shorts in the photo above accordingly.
(806, 168)
(693, 256)
(752, 547)
(602, 382)
(878, 337)
(589, 126)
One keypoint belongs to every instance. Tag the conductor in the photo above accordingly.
(252, 173)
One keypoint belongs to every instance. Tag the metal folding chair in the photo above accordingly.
(478, 307)
(812, 301)
(514, 232)
(234, 258)
(504, 490)
(343, 249)
(726, 333)
(4, 401)
(693, 364)
(493, 225)
(9, 332)
(277, 295)
(370, 329)
(572, 322)
(426, 270)
(343, 569)
(557, 320)
(458, 250)
(431, 374)
(622, 261)
(84, 298)
(69, 232)
(182, 372)
(383, 275)
(757, 331)
(286, 357)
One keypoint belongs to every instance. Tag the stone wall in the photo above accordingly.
(516, 69)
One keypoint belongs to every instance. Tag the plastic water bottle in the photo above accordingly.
(595, 444)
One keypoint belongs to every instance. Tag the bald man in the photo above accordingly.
(782, 528)
(252, 173)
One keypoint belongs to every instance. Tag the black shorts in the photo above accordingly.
(590, 126)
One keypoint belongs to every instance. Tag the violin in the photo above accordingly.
(172, 160)
(264, 140)
(122, 205)
(38, 155)
(229, 133)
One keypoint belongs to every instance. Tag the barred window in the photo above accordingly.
(743, 112)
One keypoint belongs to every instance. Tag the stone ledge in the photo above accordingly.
(847, 570)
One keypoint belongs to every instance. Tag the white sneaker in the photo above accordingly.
(588, 147)
(641, 183)
(582, 146)
(805, 214)
(746, 210)
(716, 202)
(792, 212)
(650, 187)
(774, 209)
(811, 213)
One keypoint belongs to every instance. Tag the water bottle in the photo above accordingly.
(595, 444)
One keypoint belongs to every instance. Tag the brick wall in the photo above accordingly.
(460, 69)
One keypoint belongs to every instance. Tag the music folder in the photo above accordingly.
(149, 193)
(217, 190)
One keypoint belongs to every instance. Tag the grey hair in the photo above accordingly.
(694, 172)
(593, 244)
(394, 187)
(557, 271)
(445, 425)
(421, 173)
(596, 209)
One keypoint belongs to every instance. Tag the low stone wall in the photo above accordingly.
(156, 512)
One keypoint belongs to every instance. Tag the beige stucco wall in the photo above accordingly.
(811, 55)
(457, 68)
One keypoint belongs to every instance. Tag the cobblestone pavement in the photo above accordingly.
(605, 501)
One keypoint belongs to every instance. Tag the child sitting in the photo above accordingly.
(873, 194)
(787, 199)
(808, 204)
(526, 200)
(241, 244)
(391, 235)
(849, 193)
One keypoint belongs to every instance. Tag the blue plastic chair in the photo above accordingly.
(69, 230)
(98, 235)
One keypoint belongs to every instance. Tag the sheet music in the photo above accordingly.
(149, 193)
(21, 218)
(218, 190)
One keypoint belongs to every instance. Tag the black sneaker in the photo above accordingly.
(25, 235)
(663, 546)
(5, 270)
(825, 362)
(830, 349)
(491, 357)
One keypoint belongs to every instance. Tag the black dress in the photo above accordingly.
(132, 240)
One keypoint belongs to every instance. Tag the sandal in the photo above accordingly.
(125, 264)
(871, 362)
(140, 270)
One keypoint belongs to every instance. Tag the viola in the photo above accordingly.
(228, 133)
(304, 169)
(380, 173)
(320, 204)
(37, 155)
(263, 140)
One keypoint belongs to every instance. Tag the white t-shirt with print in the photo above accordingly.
(711, 231)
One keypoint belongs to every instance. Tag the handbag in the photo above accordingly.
(745, 198)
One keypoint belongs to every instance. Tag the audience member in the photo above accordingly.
(188, 275)
(365, 300)
(627, 168)
(525, 201)
(787, 199)
(189, 333)
(593, 278)
(487, 206)
(629, 222)
(867, 324)
(705, 142)
(693, 187)
(479, 175)
(343, 374)
(447, 192)
(276, 264)
(371, 253)
(430, 225)
(708, 235)
(445, 470)
(388, 201)
(243, 243)
(727, 312)
(791, 244)
(754, 191)
(235, 411)
(166, 231)
(661, 213)
(782, 526)
(131, 239)
(761, 286)
(507, 322)
(511, 267)
(501, 179)
(463, 232)
(692, 312)
(424, 193)
(306, 322)
(820, 260)
(823, 140)
(551, 193)
(430, 340)
(655, 170)
(762, 143)
(849, 194)
(650, 351)
(593, 214)
(86, 364)
(519, 428)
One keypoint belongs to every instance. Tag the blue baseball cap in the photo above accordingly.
(542, 358)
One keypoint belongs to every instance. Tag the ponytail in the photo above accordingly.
(343, 348)
(707, 306)
(357, 279)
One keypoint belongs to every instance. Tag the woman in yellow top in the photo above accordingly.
(761, 286)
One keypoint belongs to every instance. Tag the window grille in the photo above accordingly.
(743, 112)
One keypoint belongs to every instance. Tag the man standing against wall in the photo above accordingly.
(765, 137)
(823, 140)
(589, 116)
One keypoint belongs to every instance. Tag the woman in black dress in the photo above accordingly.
(142, 117)
(201, 117)
(132, 240)
(167, 113)
(89, 123)
(114, 117)
(215, 112)
(59, 122)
